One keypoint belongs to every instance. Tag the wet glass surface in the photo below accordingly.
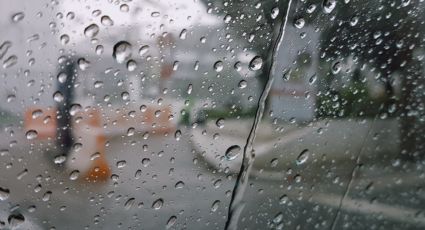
(289, 114)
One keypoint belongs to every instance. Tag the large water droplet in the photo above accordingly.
(83, 64)
(143, 50)
(303, 157)
(129, 203)
(328, 6)
(58, 96)
(18, 17)
(179, 185)
(106, 21)
(62, 77)
(121, 164)
(75, 108)
(171, 222)
(215, 206)
(183, 34)
(46, 196)
(274, 13)
(31, 134)
(218, 66)
(10, 61)
(74, 175)
(131, 65)
(232, 152)
(15, 220)
(91, 30)
(220, 123)
(4, 194)
(256, 63)
(64, 39)
(299, 23)
(122, 51)
(59, 159)
(157, 204)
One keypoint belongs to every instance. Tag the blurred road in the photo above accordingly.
(161, 182)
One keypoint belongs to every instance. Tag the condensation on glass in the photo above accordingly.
(275, 114)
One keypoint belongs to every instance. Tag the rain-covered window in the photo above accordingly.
(204, 114)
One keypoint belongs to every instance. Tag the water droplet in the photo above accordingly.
(311, 8)
(238, 66)
(143, 50)
(99, 49)
(122, 51)
(125, 96)
(189, 89)
(36, 113)
(256, 63)
(121, 164)
(98, 84)
(58, 97)
(46, 196)
(75, 108)
(4, 194)
(183, 34)
(106, 21)
(10, 61)
(220, 123)
(278, 218)
(15, 220)
(62, 77)
(94, 156)
(354, 20)
(328, 6)
(312, 79)
(227, 18)
(336, 68)
(74, 175)
(22, 174)
(64, 39)
(131, 131)
(131, 65)
(274, 162)
(31, 134)
(179, 185)
(218, 66)
(124, 8)
(83, 64)
(242, 84)
(232, 152)
(129, 203)
(217, 183)
(303, 157)
(299, 23)
(91, 30)
(18, 17)
(274, 13)
(171, 222)
(145, 162)
(177, 135)
(59, 159)
(157, 204)
(283, 199)
(215, 206)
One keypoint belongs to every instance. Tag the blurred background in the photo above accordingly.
(121, 114)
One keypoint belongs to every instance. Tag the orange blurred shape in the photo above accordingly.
(42, 120)
(99, 170)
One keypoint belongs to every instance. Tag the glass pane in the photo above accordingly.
(212, 114)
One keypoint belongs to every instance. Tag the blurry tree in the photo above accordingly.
(386, 38)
